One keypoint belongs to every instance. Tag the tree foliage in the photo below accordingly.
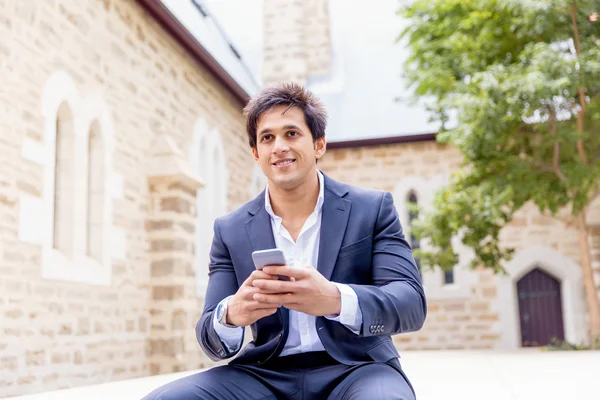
(521, 79)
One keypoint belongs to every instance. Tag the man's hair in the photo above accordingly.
(292, 95)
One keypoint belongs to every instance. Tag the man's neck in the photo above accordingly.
(298, 202)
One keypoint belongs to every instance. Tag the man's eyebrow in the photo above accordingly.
(266, 130)
(285, 127)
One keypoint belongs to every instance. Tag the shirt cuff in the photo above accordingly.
(350, 314)
(231, 337)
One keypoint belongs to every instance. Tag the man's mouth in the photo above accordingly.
(284, 163)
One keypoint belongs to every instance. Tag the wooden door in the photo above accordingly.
(540, 309)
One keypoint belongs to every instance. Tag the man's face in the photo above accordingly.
(284, 147)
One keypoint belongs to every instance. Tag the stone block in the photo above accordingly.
(9, 363)
(449, 307)
(176, 204)
(167, 292)
(26, 380)
(489, 292)
(479, 306)
(35, 357)
(179, 320)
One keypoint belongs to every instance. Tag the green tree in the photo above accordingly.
(520, 81)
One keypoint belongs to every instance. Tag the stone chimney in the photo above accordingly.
(297, 40)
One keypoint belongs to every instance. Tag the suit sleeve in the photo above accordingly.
(222, 282)
(395, 303)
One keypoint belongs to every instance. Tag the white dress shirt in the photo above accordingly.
(302, 335)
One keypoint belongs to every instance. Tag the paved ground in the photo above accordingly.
(439, 375)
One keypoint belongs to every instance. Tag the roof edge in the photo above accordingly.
(182, 36)
(349, 144)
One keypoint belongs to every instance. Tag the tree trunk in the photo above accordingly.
(591, 292)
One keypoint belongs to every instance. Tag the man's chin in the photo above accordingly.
(285, 181)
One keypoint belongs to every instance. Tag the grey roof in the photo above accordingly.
(208, 32)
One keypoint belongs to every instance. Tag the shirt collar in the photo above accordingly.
(318, 206)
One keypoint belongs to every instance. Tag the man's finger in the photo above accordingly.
(297, 273)
(256, 306)
(265, 312)
(248, 293)
(273, 299)
(274, 286)
(257, 275)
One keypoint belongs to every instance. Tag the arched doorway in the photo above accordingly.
(540, 308)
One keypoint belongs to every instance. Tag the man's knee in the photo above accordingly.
(179, 390)
(193, 387)
(375, 381)
(213, 384)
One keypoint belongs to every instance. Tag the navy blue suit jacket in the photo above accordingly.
(361, 245)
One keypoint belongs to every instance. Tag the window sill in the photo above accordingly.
(81, 269)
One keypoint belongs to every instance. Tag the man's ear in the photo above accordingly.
(320, 147)
(255, 153)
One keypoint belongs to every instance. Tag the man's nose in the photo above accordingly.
(280, 145)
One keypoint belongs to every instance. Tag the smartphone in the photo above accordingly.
(262, 258)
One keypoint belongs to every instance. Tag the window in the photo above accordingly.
(414, 190)
(449, 277)
(64, 160)
(95, 195)
(209, 161)
(259, 181)
(413, 215)
(75, 210)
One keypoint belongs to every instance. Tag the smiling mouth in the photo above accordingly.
(283, 163)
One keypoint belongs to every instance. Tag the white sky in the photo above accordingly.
(360, 92)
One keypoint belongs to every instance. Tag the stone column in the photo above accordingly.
(174, 306)
(297, 41)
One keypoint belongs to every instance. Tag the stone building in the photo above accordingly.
(112, 115)
(122, 138)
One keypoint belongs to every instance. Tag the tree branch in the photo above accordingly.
(581, 90)
(543, 167)
(556, 158)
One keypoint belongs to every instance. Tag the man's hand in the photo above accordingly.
(242, 309)
(308, 292)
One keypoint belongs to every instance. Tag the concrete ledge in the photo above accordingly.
(466, 375)
(127, 389)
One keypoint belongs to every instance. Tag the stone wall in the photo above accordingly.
(57, 334)
(465, 315)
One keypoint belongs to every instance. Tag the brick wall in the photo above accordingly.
(55, 334)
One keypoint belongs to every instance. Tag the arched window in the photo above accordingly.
(449, 277)
(64, 196)
(209, 160)
(76, 200)
(95, 194)
(259, 181)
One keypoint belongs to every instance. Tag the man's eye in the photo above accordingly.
(292, 133)
(265, 137)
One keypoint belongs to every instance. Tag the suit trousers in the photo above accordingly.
(303, 376)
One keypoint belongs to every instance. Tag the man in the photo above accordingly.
(353, 282)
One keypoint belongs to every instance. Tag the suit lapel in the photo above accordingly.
(259, 230)
(334, 220)
(261, 237)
